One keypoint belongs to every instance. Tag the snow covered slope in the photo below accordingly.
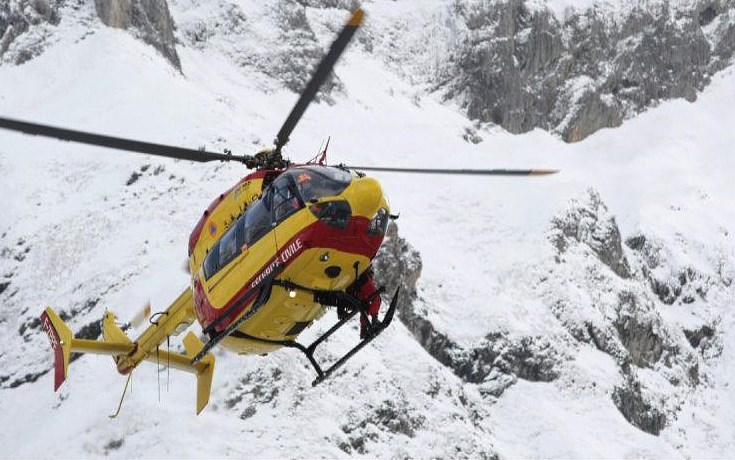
(586, 314)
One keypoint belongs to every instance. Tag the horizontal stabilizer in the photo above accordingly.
(63, 342)
(203, 369)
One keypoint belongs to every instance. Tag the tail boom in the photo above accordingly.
(64, 343)
(128, 354)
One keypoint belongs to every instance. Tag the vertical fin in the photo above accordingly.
(61, 337)
(111, 332)
(204, 369)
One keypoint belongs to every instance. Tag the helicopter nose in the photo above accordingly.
(368, 197)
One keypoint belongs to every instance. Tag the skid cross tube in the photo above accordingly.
(374, 331)
(308, 351)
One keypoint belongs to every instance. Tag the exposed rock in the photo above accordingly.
(590, 223)
(17, 17)
(288, 53)
(133, 178)
(398, 264)
(592, 113)
(298, 51)
(149, 19)
(28, 377)
(515, 64)
(529, 358)
(392, 416)
(685, 285)
(350, 5)
(637, 332)
(532, 359)
(695, 337)
(605, 339)
(620, 315)
(254, 390)
(113, 444)
(31, 325)
(636, 410)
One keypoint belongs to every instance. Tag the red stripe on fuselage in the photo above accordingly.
(353, 239)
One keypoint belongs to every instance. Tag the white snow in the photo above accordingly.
(484, 245)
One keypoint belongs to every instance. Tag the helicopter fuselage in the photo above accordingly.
(318, 226)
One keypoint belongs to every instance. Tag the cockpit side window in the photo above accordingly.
(222, 253)
(257, 219)
(285, 200)
(252, 226)
(228, 247)
(211, 262)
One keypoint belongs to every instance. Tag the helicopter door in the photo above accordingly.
(285, 201)
(255, 247)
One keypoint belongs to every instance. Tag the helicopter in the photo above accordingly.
(302, 240)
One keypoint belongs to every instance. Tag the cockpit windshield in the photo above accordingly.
(314, 182)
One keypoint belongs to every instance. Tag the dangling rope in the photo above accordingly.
(168, 363)
(158, 374)
(119, 406)
(154, 321)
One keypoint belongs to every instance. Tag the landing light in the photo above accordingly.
(292, 293)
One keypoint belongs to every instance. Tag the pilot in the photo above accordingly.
(306, 185)
(311, 187)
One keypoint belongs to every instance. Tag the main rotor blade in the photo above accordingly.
(467, 172)
(321, 74)
(119, 143)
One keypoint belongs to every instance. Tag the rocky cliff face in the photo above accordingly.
(17, 17)
(621, 310)
(516, 64)
(26, 25)
(607, 294)
(150, 20)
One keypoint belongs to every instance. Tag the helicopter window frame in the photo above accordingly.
(216, 260)
(239, 232)
(211, 262)
(254, 230)
(228, 245)
(287, 184)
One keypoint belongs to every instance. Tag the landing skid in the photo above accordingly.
(374, 330)
(341, 299)
(354, 307)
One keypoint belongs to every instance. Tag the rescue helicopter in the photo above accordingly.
(302, 241)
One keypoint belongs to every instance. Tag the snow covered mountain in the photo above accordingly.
(587, 314)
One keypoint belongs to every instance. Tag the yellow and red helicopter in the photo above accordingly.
(303, 240)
